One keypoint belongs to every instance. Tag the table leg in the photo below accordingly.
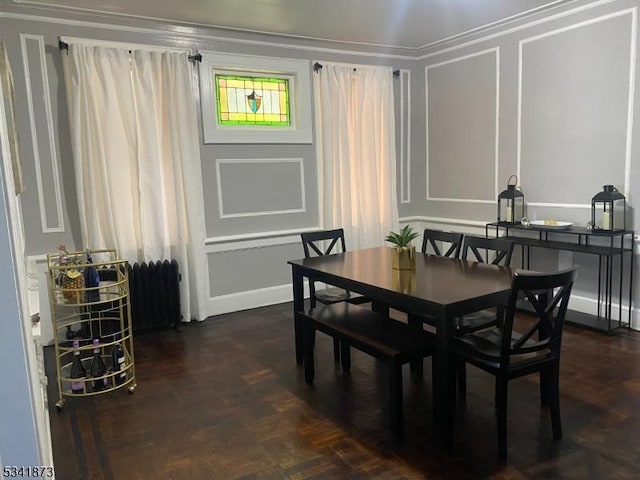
(443, 383)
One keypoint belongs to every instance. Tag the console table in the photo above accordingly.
(610, 247)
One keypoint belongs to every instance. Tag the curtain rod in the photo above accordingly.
(317, 66)
(62, 45)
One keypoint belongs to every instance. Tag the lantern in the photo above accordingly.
(511, 203)
(608, 210)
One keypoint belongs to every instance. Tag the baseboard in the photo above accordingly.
(590, 306)
(251, 299)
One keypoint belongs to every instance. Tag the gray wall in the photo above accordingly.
(551, 101)
(252, 192)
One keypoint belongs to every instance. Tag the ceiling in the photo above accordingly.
(407, 24)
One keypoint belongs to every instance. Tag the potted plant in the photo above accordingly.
(403, 254)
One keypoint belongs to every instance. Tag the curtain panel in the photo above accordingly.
(355, 135)
(137, 161)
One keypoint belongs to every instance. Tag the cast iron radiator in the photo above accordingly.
(154, 290)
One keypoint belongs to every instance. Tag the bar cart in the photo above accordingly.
(90, 310)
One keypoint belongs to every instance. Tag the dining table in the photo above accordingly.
(441, 288)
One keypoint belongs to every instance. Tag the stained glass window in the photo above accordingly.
(248, 100)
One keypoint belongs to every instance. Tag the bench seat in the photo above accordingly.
(391, 341)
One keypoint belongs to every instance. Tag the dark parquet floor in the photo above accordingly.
(224, 399)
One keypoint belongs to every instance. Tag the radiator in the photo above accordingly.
(154, 290)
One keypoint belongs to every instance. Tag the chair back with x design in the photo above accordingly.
(430, 240)
(324, 242)
(501, 247)
(548, 295)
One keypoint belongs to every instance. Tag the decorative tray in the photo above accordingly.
(557, 224)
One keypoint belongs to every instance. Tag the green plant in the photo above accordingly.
(402, 238)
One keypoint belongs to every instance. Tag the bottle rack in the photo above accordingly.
(84, 312)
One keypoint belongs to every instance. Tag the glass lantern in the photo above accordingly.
(608, 210)
(511, 203)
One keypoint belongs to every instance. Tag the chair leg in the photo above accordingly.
(553, 392)
(308, 341)
(345, 356)
(545, 388)
(395, 400)
(501, 411)
(336, 350)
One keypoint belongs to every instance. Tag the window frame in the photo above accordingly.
(297, 72)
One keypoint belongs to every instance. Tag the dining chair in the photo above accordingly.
(507, 354)
(497, 251)
(442, 244)
(328, 242)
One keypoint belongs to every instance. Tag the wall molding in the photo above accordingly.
(405, 137)
(508, 31)
(190, 34)
(24, 38)
(630, 97)
(496, 163)
(234, 161)
(251, 244)
(258, 235)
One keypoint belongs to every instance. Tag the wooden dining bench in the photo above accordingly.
(391, 341)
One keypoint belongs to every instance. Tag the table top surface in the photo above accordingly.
(437, 280)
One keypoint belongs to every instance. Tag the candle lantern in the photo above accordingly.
(608, 210)
(511, 203)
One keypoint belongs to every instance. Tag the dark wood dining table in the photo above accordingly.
(440, 287)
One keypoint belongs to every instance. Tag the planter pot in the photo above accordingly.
(404, 281)
(403, 258)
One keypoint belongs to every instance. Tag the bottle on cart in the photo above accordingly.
(98, 368)
(78, 372)
(91, 281)
(118, 362)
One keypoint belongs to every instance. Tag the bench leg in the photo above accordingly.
(336, 350)
(416, 365)
(345, 356)
(395, 401)
(308, 340)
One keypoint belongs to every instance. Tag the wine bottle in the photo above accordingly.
(118, 362)
(77, 370)
(70, 334)
(91, 281)
(98, 368)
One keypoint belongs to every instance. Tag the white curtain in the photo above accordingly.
(137, 159)
(356, 151)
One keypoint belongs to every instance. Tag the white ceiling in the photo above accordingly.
(397, 23)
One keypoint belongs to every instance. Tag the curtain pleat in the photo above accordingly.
(355, 131)
(137, 161)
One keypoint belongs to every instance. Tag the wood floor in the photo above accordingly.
(224, 399)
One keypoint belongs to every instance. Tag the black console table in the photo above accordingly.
(608, 246)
